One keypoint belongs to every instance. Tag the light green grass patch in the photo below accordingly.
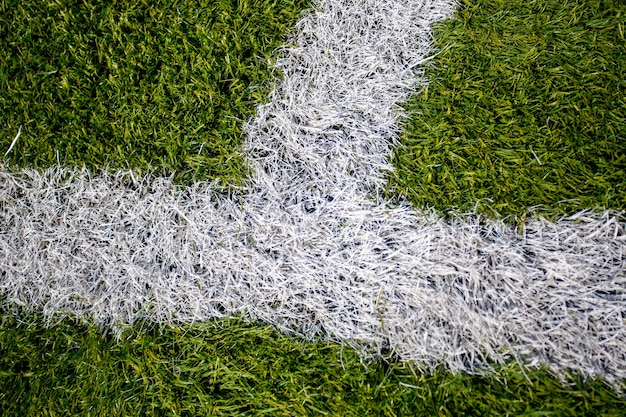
(154, 86)
(526, 109)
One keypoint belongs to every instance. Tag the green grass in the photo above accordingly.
(166, 88)
(154, 86)
(526, 109)
(232, 368)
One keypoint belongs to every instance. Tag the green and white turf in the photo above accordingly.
(310, 244)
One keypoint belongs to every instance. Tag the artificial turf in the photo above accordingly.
(231, 368)
(161, 87)
(525, 109)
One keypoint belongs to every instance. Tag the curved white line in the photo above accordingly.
(311, 247)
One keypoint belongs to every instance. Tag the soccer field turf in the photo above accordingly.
(524, 110)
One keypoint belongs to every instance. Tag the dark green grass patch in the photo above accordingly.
(526, 108)
(155, 86)
(232, 368)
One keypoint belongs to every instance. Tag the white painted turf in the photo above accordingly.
(310, 246)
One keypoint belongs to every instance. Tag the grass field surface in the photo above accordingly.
(525, 109)
(232, 368)
(159, 87)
